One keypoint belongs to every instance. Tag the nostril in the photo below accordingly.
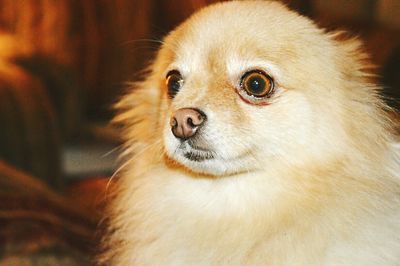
(190, 123)
(195, 120)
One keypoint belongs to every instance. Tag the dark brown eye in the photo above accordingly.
(174, 82)
(258, 84)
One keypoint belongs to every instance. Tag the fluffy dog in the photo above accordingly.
(256, 138)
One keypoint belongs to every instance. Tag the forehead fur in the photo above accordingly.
(274, 33)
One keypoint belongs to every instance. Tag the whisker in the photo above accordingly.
(119, 147)
(142, 41)
(116, 172)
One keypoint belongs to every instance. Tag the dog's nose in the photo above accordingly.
(186, 121)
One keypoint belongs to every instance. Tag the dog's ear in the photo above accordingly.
(352, 57)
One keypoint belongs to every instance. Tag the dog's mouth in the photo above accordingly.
(196, 153)
(198, 156)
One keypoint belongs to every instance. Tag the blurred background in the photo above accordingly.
(63, 63)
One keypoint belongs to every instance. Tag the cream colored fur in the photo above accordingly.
(312, 178)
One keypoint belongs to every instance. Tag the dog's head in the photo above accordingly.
(246, 86)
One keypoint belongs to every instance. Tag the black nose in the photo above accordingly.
(186, 121)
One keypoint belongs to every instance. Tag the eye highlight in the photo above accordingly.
(174, 82)
(257, 83)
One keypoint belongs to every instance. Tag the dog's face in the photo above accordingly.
(245, 86)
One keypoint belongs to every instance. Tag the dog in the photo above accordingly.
(256, 138)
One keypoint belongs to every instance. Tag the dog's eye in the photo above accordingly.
(258, 84)
(174, 82)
